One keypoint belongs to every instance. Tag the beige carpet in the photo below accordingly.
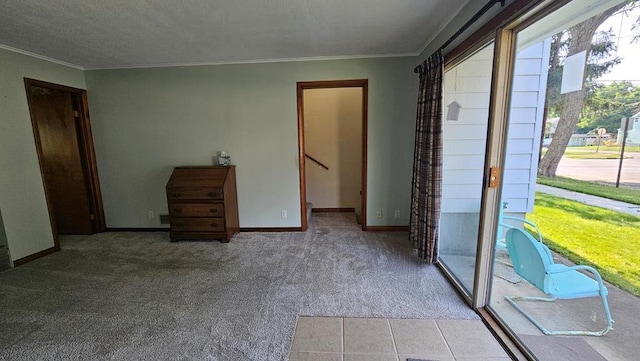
(136, 296)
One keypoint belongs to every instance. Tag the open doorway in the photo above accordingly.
(62, 132)
(332, 132)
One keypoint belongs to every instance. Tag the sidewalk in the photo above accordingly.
(617, 206)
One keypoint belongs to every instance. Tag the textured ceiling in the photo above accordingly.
(132, 33)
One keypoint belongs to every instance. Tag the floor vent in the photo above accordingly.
(5, 259)
(164, 219)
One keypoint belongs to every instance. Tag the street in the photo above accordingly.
(603, 170)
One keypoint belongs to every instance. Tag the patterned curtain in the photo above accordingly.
(426, 190)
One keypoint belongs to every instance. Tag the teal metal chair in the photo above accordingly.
(533, 261)
(507, 222)
(504, 224)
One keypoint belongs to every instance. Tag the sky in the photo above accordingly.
(629, 68)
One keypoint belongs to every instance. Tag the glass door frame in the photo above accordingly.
(499, 105)
(503, 30)
(503, 62)
(469, 295)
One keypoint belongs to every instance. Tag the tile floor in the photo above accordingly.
(379, 339)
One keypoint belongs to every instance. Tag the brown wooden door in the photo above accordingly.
(56, 114)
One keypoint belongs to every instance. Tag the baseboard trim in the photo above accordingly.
(135, 229)
(35, 256)
(243, 229)
(386, 228)
(324, 210)
(270, 229)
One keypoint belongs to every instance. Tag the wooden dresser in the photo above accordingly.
(203, 203)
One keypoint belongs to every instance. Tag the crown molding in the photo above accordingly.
(41, 57)
(256, 61)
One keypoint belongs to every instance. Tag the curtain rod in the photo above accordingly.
(468, 24)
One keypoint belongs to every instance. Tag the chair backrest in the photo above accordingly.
(500, 230)
(528, 256)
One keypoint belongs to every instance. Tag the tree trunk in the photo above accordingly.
(581, 37)
(568, 119)
(554, 62)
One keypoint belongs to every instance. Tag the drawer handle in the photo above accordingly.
(211, 194)
(213, 210)
(175, 195)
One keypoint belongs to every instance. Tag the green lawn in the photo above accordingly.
(628, 195)
(593, 155)
(604, 239)
(607, 148)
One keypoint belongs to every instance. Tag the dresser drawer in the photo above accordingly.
(197, 224)
(196, 210)
(203, 203)
(178, 194)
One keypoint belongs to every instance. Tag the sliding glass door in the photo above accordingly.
(502, 103)
(467, 88)
(547, 79)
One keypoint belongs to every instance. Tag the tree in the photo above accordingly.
(608, 105)
(578, 38)
(636, 27)
(599, 62)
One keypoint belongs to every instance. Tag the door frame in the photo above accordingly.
(325, 84)
(87, 154)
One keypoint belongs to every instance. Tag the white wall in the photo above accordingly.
(333, 135)
(22, 200)
(147, 121)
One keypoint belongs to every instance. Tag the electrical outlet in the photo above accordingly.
(379, 213)
(152, 215)
(283, 213)
(396, 214)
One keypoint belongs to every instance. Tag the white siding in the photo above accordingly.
(464, 139)
(518, 161)
(525, 126)
(457, 162)
(523, 115)
(469, 84)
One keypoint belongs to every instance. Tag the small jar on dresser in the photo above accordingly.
(203, 203)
